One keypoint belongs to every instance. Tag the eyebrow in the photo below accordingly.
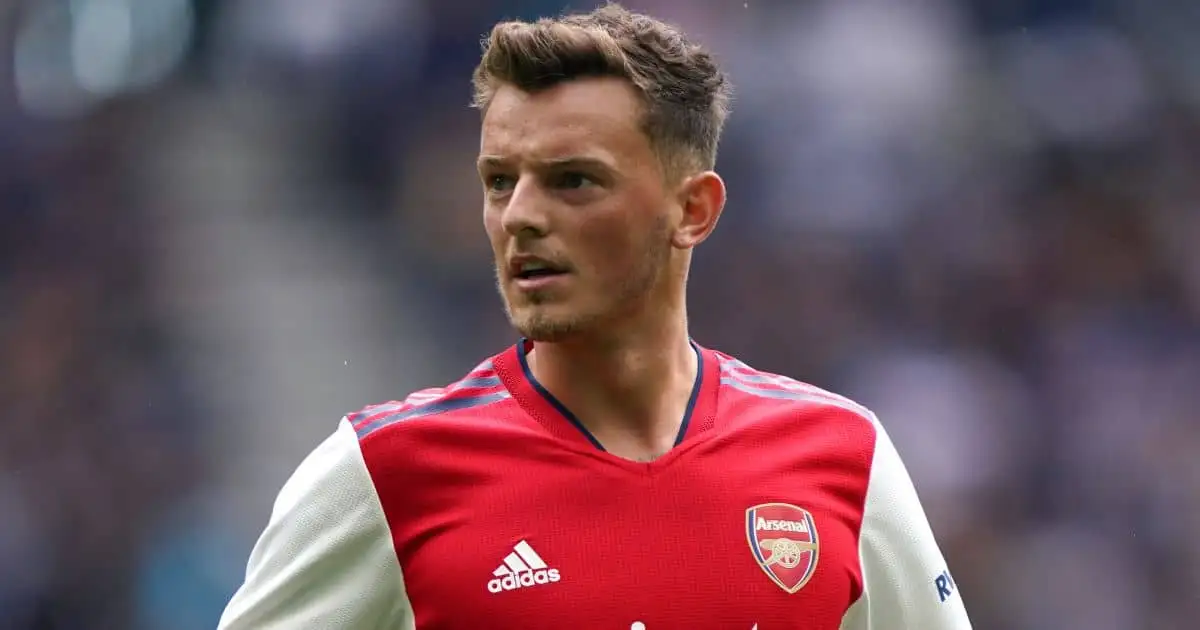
(577, 161)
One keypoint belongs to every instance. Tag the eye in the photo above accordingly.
(499, 183)
(572, 180)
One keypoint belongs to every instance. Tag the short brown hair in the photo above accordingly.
(685, 95)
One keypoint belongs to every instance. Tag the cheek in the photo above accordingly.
(493, 228)
(611, 249)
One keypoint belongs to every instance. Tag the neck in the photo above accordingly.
(629, 388)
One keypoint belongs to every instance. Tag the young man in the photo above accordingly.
(605, 472)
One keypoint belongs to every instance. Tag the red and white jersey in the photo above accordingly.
(486, 504)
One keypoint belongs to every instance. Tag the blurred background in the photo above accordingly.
(223, 224)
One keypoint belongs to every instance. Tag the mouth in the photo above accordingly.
(535, 273)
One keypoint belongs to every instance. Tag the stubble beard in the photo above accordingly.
(540, 319)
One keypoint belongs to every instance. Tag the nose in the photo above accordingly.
(525, 214)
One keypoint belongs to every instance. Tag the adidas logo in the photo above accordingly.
(523, 567)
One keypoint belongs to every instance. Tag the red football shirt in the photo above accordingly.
(486, 504)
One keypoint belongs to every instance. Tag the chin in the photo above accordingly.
(536, 324)
(547, 330)
(546, 335)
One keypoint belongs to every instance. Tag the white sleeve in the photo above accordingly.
(326, 558)
(906, 583)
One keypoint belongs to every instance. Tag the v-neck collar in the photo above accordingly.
(512, 366)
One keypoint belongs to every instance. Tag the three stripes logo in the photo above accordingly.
(523, 567)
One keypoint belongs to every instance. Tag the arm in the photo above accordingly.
(906, 585)
(326, 558)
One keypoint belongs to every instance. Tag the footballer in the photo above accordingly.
(606, 471)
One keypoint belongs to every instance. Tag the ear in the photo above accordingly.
(702, 198)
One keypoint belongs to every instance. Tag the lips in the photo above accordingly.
(534, 267)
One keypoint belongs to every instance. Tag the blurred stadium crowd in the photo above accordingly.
(225, 223)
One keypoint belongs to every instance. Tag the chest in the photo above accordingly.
(713, 540)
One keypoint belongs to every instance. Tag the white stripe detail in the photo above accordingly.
(752, 380)
(530, 556)
(514, 562)
(523, 559)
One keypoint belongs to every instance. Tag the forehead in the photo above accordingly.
(596, 117)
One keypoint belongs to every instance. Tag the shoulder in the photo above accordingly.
(327, 511)
(767, 391)
(479, 388)
(795, 417)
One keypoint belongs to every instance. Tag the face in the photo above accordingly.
(583, 225)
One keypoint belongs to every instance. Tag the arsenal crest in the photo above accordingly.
(783, 539)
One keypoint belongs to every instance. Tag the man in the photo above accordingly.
(606, 471)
